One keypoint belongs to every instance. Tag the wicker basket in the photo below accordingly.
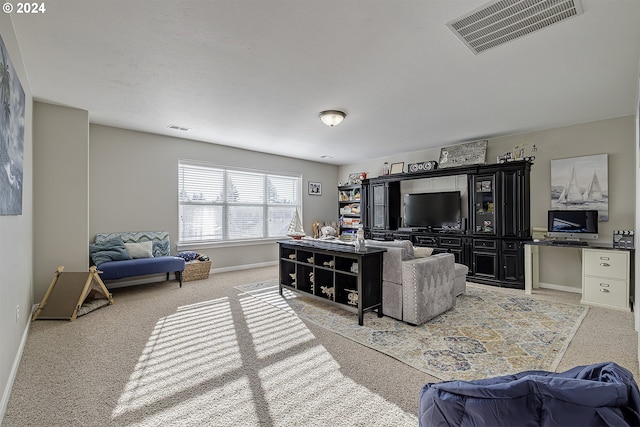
(196, 270)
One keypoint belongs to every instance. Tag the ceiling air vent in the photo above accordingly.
(501, 21)
(180, 128)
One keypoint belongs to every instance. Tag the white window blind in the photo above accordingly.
(222, 204)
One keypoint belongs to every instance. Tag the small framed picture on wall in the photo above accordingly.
(315, 188)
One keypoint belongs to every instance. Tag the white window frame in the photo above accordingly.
(226, 240)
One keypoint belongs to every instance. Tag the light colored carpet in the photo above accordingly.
(208, 354)
(488, 333)
(203, 355)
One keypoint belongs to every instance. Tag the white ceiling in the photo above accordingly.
(255, 73)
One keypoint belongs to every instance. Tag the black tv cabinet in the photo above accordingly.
(492, 241)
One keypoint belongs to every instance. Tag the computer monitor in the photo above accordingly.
(573, 224)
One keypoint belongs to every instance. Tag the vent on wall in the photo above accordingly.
(502, 21)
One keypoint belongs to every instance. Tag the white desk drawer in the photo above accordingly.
(614, 264)
(609, 292)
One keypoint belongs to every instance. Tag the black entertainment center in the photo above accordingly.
(489, 239)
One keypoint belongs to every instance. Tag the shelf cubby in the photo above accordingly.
(303, 278)
(324, 260)
(288, 253)
(288, 273)
(345, 265)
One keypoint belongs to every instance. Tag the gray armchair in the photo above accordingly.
(427, 288)
(424, 289)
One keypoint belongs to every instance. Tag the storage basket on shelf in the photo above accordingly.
(196, 270)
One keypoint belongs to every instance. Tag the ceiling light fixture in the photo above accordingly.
(332, 117)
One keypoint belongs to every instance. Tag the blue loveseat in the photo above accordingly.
(123, 255)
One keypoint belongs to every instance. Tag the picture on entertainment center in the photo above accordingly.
(483, 186)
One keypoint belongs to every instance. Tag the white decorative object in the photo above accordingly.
(328, 231)
(360, 243)
(295, 229)
(471, 153)
(352, 297)
(328, 291)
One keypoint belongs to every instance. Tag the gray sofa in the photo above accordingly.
(415, 290)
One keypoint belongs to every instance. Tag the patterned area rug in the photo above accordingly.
(488, 333)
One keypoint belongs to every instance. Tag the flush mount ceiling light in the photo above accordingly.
(332, 117)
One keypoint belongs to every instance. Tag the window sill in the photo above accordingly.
(228, 244)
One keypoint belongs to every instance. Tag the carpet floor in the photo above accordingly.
(208, 354)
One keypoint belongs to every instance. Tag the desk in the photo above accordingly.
(606, 272)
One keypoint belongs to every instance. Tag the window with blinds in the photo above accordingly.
(220, 204)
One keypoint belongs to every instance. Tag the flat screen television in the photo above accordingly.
(573, 224)
(434, 211)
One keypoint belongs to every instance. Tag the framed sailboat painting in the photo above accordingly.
(581, 183)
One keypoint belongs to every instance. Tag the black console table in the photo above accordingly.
(334, 273)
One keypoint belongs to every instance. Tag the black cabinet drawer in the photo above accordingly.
(451, 242)
(426, 241)
(484, 244)
(509, 246)
(401, 236)
(378, 235)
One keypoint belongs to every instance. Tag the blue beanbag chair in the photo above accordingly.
(603, 394)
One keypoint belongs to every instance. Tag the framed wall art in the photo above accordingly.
(470, 153)
(11, 136)
(315, 188)
(397, 167)
(581, 183)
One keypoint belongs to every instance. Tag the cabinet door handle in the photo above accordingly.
(605, 264)
(606, 291)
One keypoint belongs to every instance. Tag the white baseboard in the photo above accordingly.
(244, 267)
(562, 288)
(14, 369)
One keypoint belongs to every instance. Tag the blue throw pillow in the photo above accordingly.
(188, 255)
(108, 250)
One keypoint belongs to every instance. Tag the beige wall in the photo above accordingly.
(614, 137)
(16, 242)
(559, 267)
(61, 192)
(134, 187)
